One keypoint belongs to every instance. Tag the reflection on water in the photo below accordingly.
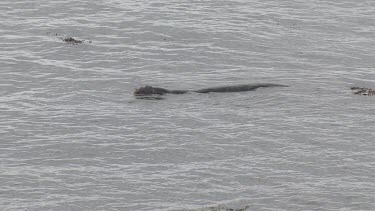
(149, 97)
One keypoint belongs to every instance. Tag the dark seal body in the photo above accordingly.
(149, 90)
(238, 88)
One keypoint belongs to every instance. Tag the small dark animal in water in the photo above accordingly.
(149, 90)
(363, 91)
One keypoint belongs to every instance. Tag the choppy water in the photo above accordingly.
(74, 138)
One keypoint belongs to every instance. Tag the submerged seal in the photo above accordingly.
(149, 90)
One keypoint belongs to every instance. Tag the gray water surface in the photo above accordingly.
(72, 136)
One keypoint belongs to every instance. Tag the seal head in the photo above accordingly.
(149, 90)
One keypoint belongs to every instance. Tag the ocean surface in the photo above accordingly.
(73, 137)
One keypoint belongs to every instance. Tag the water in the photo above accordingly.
(74, 138)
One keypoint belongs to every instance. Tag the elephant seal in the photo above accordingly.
(149, 90)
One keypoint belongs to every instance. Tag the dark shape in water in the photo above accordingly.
(362, 91)
(149, 90)
(71, 40)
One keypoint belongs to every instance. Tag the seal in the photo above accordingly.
(363, 91)
(149, 90)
